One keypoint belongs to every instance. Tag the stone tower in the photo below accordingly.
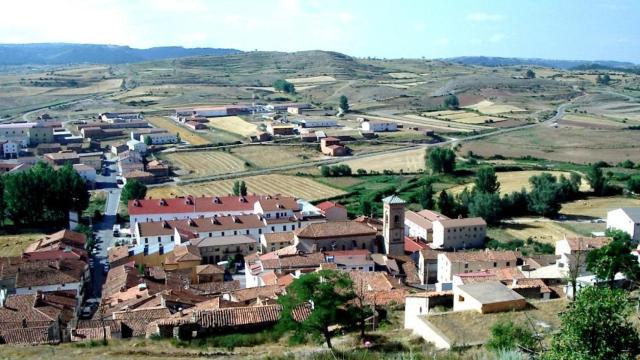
(393, 225)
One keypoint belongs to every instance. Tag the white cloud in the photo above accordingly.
(482, 17)
(495, 38)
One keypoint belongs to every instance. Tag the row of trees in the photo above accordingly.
(441, 160)
(284, 86)
(545, 197)
(42, 195)
(239, 188)
(335, 170)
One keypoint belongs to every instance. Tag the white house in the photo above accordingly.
(487, 297)
(160, 138)
(10, 149)
(137, 146)
(379, 126)
(573, 251)
(317, 122)
(627, 220)
(419, 225)
(451, 263)
(86, 172)
(456, 234)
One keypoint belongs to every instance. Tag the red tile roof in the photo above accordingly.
(201, 225)
(335, 229)
(326, 205)
(191, 204)
(41, 273)
(412, 246)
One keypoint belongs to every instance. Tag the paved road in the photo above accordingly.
(103, 230)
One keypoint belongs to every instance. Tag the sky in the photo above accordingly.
(554, 29)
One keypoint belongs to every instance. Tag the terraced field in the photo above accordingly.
(597, 207)
(489, 108)
(205, 163)
(185, 134)
(464, 117)
(14, 245)
(406, 161)
(234, 124)
(302, 187)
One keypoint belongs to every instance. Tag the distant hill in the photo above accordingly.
(560, 64)
(61, 53)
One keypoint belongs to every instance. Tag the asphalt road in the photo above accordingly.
(103, 230)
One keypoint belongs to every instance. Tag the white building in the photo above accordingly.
(317, 122)
(419, 225)
(18, 132)
(136, 145)
(210, 111)
(86, 172)
(379, 126)
(573, 251)
(160, 138)
(627, 220)
(457, 234)
(10, 149)
(451, 263)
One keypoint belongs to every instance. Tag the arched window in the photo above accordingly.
(396, 220)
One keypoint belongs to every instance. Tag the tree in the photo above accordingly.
(344, 103)
(178, 138)
(2, 204)
(596, 179)
(446, 204)
(426, 196)
(486, 206)
(451, 102)
(633, 184)
(148, 141)
(530, 74)
(236, 188)
(613, 258)
(543, 198)
(325, 171)
(133, 190)
(487, 181)
(243, 188)
(505, 335)
(603, 79)
(441, 160)
(596, 327)
(366, 207)
(328, 292)
(284, 86)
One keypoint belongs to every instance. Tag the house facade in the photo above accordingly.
(627, 220)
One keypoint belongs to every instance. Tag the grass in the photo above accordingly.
(301, 187)
(544, 231)
(407, 161)
(470, 327)
(171, 126)
(14, 245)
(597, 207)
(97, 202)
(488, 107)
(205, 163)
(266, 156)
(234, 124)
(515, 180)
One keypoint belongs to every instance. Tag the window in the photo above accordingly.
(146, 240)
(284, 227)
(460, 298)
(508, 263)
(210, 235)
(396, 220)
(171, 237)
(222, 234)
(293, 227)
(235, 232)
(495, 264)
(466, 266)
(259, 231)
(158, 238)
(273, 228)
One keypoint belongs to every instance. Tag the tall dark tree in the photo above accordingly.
(486, 180)
(441, 160)
(596, 327)
(446, 204)
(366, 207)
(596, 179)
(426, 196)
(486, 206)
(344, 103)
(543, 197)
(133, 190)
(236, 188)
(243, 188)
(529, 74)
(451, 102)
(328, 292)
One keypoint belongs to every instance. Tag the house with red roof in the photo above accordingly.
(332, 211)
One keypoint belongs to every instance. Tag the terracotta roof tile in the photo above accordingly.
(335, 229)
(192, 204)
(487, 255)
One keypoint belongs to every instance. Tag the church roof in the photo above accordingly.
(393, 199)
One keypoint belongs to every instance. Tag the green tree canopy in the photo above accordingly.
(243, 188)
(530, 74)
(147, 141)
(133, 189)
(633, 184)
(486, 206)
(344, 103)
(486, 180)
(284, 86)
(596, 327)
(441, 160)
(596, 179)
(446, 204)
(451, 102)
(543, 197)
(613, 258)
(328, 291)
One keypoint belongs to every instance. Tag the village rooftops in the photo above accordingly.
(490, 292)
(424, 218)
(182, 253)
(486, 255)
(191, 204)
(43, 273)
(584, 243)
(223, 241)
(335, 229)
(201, 225)
(58, 240)
(279, 238)
(326, 205)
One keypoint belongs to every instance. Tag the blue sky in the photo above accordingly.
(569, 29)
